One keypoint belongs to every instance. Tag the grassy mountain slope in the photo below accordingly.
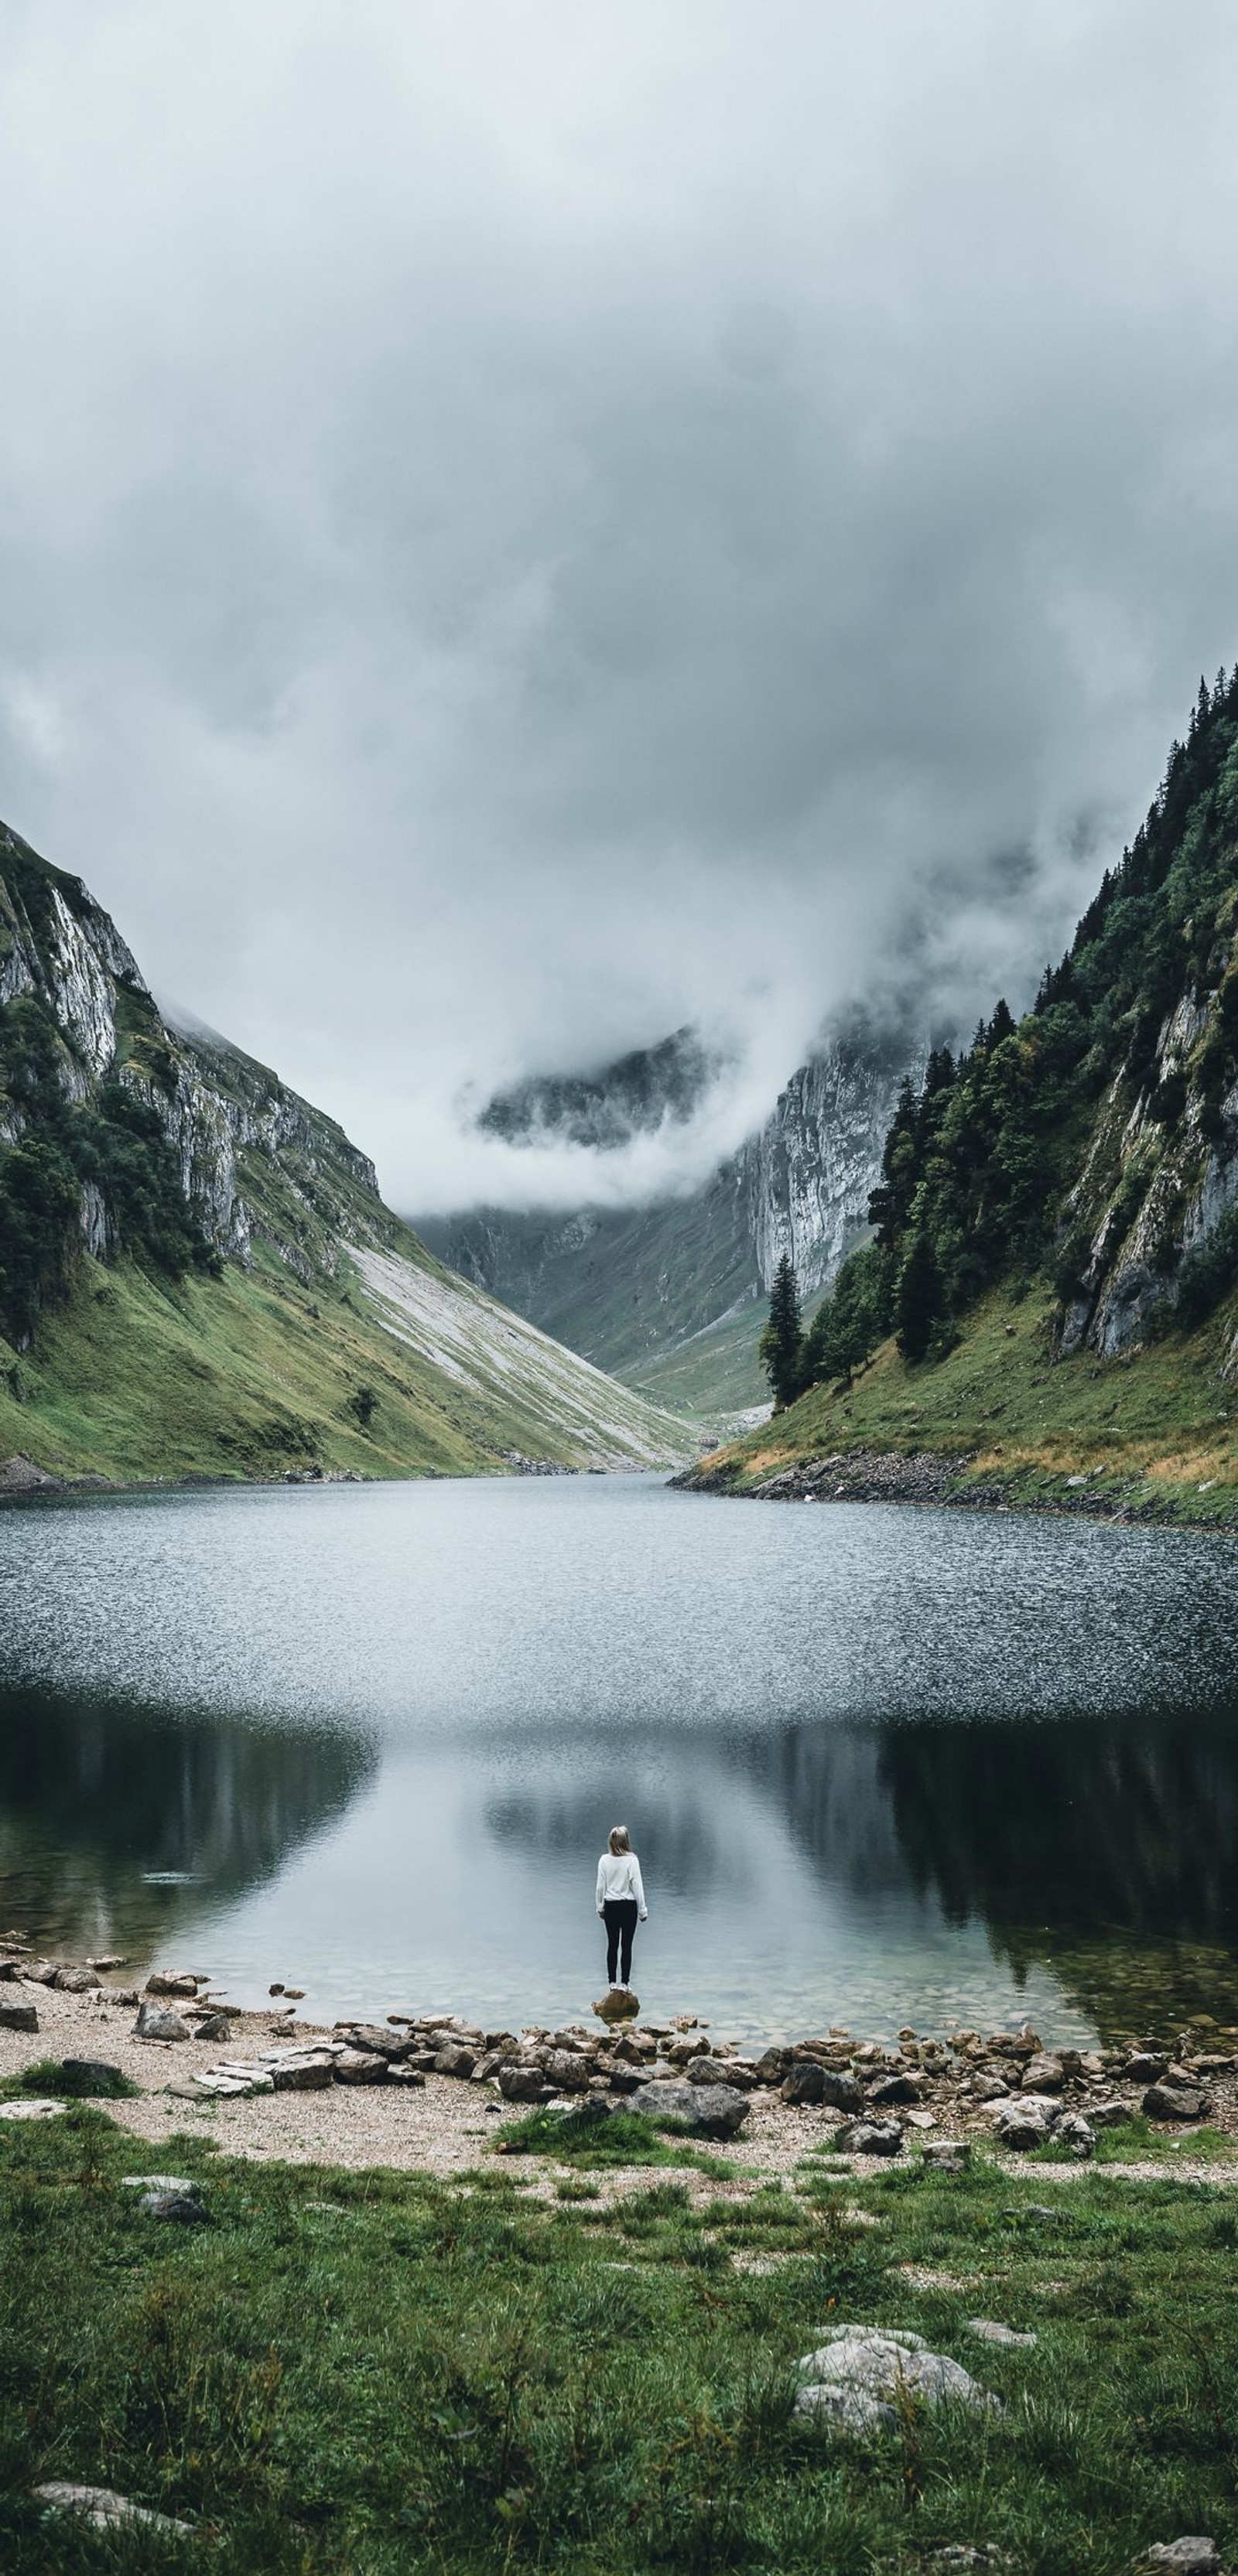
(197, 1273)
(1053, 1286)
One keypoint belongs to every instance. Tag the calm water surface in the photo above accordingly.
(881, 1764)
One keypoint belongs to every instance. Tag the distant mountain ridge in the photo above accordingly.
(197, 1272)
(667, 1296)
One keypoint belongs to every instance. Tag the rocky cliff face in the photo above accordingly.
(124, 1135)
(627, 1287)
(254, 1159)
(1161, 1174)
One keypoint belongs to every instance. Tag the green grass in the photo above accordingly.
(50, 2080)
(594, 2135)
(386, 2373)
(1149, 1430)
(142, 1377)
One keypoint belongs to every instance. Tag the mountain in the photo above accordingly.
(667, 1296)
(1052, 1291)
(197, 1273)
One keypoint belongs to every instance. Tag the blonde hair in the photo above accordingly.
(619, 1839)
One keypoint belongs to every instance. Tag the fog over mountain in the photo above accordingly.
(528, 528)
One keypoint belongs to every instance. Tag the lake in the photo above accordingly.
(882, 1764)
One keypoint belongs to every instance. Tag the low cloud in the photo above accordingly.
(524, 528)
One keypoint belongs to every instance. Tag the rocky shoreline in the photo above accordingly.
(869, 2098)
(936, 1477)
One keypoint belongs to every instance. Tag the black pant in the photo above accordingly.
(619, 1916)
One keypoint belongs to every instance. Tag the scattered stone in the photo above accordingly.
(1170, 2102)
(897, 2088)
(158, 2021)
(103, 1964)
(718, 2070)
(361, 2066)
(871, 2138)
(565, 2068)
(1026, 2122)
(303, 2074)
(1145, 2067)
(947, 2155)
(521, 2083)
(1190, 2556)
(1076, 2133)
(711, 2111)
(854, 2380)
(410, 2076)
(989, 2088)
(805, 2085)
(105, 2510)
(294, 1994)
(164, 1982)
(76, 1981)
(158, 2182)
(37, 2110)
(18, 2017)
(182, 2208)
(1110, 2114)
(214, 2025)
(989, 2331)
(373, 2038)
(456, 2061)
(1043, 2074)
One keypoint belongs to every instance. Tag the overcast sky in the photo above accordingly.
(527, 522)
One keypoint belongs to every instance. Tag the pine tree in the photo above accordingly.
(917, 1296)
(782, 1342)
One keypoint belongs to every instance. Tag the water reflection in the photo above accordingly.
(371, 1739)
(99, 1802)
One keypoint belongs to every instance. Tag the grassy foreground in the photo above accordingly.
(377, 2371)
(1149, 1430)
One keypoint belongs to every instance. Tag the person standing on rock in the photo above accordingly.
(620, 1899)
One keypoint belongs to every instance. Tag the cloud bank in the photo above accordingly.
(526, 526)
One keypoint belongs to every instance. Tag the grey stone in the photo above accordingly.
(947, 2155)
(990, 2331)
(158, 2021)
(18, 2017)
(1076, 2133)
(1025, 2122)
(871, 2138)
(1166, 2102)
(165, 1982)
(105, 2510)
(989, 2088)
(615, 2006)
(858, 2373)
(1043, 2074)
(158, 2182)
(76, 1981)
(772, 2064)
(711, 2111)
(1146, 2066)
(373, 2038)
(455, 2061)
(183, 2208)
(410, 2077)
(896, 2088)
(360, 2066)
(1109, 2114)
(805, 2085)
(521, 2083)
(717, 2070)
(302, 2074)
(214, 2025)
(567, 2070)
(1191, 2556)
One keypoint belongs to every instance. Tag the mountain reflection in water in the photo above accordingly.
(880, 1765)
(97, 1801)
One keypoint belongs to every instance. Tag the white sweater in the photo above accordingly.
(619, 1877)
